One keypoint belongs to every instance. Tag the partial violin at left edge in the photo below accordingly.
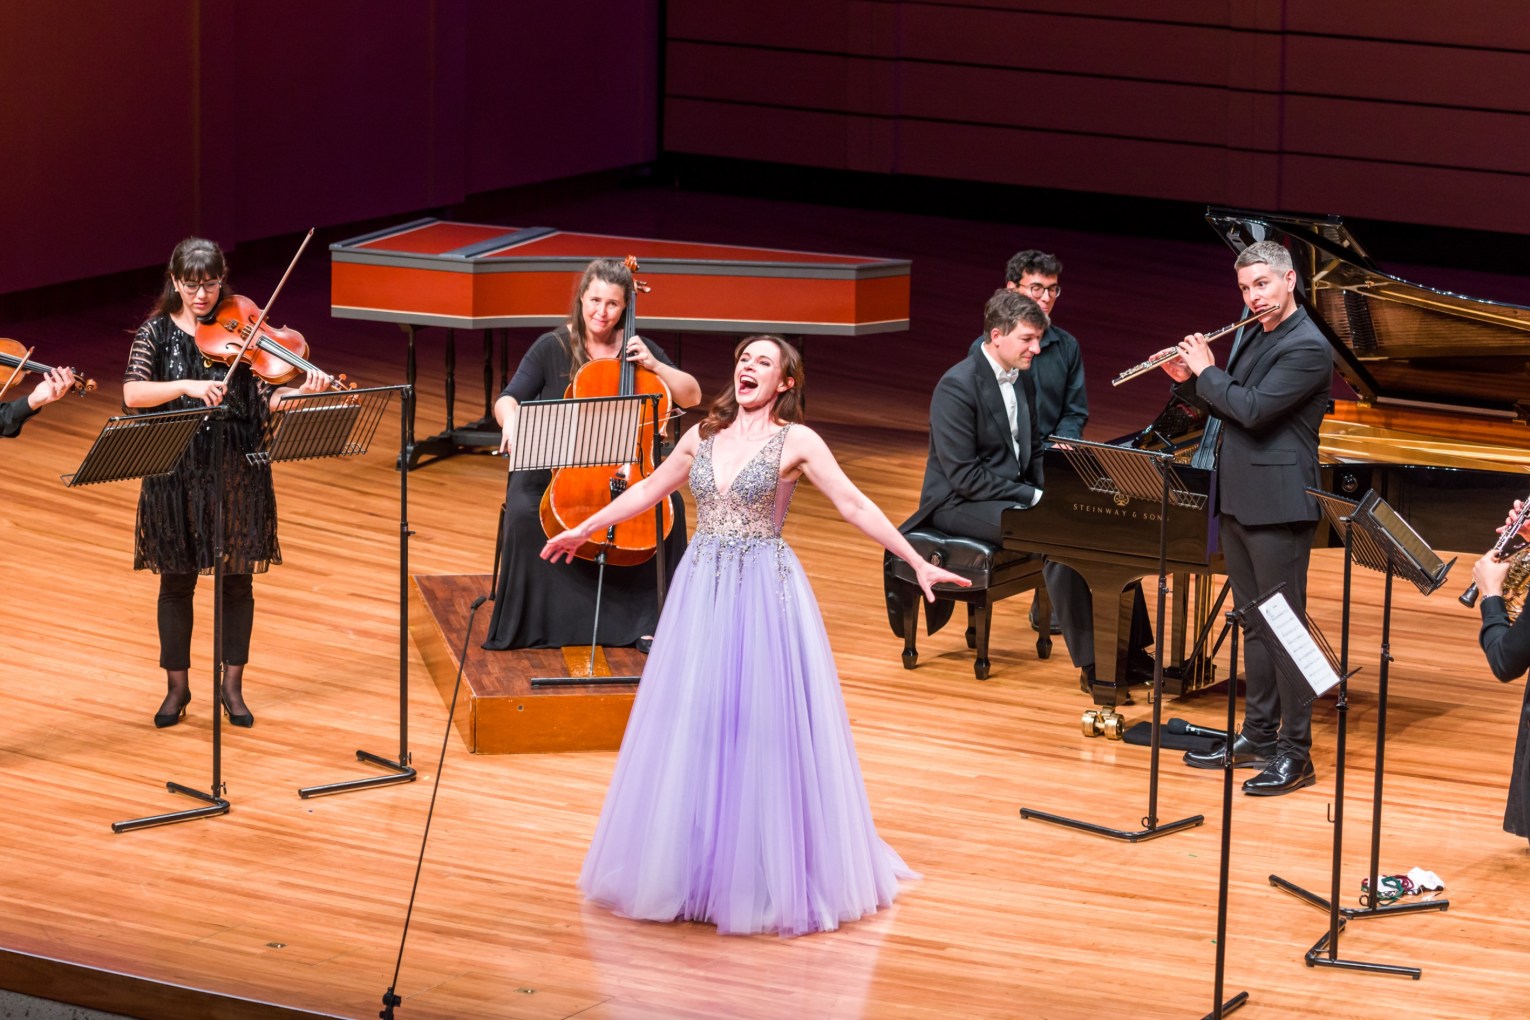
(17, 357)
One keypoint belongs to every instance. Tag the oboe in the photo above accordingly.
(1165, 356)
(1469, 596)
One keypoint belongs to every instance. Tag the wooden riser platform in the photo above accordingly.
(498, 711)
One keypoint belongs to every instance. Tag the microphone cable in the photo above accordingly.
(390, 998)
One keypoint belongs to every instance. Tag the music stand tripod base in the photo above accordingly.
(342, 423)
(399, 772)
(215, 806)
(1130, 836)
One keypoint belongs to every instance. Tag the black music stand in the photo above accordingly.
(1235, 621)
(1304, 667)
(341, 423)
(1377, 537)
(144, 446)
(588, 432)
(1121, 471)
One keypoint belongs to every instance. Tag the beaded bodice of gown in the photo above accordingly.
(755, 502)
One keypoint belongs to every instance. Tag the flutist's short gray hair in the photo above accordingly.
(1271, 253)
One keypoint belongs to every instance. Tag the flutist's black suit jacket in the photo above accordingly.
(1271, 400)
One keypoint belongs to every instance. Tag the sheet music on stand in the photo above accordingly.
(1127, 471)
(580, 432)
(1383, 541)
(1305, 661)
(334, 423)
(138, 446)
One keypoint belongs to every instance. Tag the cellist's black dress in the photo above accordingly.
(542, 605)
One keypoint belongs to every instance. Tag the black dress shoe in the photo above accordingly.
(244, 720)
(1245, 754)
(1055, 626)
(643, 644)
(1285, 773)
(163, 719)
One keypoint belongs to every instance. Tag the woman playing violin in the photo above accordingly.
(166, 371)
(536, 605)
(14, 413)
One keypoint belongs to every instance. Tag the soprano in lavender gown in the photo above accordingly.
(737, 798)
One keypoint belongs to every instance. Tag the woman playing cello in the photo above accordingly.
(537, 605)
(166, 371)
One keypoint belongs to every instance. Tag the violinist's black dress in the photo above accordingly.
(543, 605)
(176, 511)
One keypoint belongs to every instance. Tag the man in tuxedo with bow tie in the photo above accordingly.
(1271, 399)
(1061, 401)
(985, 444)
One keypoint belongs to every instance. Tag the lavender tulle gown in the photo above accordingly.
(737, 798)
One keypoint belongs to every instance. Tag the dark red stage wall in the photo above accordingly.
(126, 126)
(1409, 110)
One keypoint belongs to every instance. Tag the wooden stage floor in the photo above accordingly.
(289, 907)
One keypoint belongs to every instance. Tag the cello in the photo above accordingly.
(575, 493)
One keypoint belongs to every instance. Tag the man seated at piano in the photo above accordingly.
(1062, 409)
(985, 440)
(1271, 399)
(985, 435)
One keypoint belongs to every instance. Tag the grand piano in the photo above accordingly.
(1440, 428)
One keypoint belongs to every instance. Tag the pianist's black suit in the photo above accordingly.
(1271, 399)
(972, 474)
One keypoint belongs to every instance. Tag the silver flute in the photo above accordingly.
(1165, 356)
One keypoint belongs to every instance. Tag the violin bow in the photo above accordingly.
(261, 321)
(17, 371)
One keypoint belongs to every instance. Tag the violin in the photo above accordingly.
(275, 354)
(17, 358)
(576, 493)
(237, 331)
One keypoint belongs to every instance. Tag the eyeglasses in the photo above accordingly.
(210, 286)
(1035, 290)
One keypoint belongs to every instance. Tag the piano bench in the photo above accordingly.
(996, 573)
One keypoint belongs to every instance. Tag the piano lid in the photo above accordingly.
(1396, 342)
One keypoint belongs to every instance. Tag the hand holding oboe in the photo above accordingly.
(1489, 571)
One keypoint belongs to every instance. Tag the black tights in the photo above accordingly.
(176, 603)
(176, 597)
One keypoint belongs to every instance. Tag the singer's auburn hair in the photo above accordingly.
(788, 405)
